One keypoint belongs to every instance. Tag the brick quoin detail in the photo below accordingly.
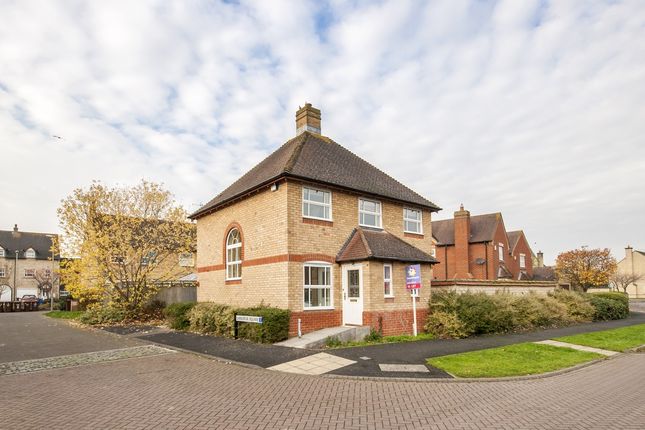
(314, 320)
(395, 322)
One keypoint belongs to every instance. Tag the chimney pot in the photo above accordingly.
(307, 119)
(15, 227)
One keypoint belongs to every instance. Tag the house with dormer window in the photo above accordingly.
(316, 229)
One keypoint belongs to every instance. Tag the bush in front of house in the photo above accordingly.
(99, 314)
(176, 315)
(445, 325)
(212, 318)
(578, 305)
(608, 309)
(614, 295)
(274, 327)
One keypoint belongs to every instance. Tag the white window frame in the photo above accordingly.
(390, 280)
(522, 261)
(186, 259)
(2, 253)
(311, 202)
(362, 212)
(30, 253)
(500, 252)
(30, 273)
(330, 286)
(2, 272)
(407, 220)
(236, 262)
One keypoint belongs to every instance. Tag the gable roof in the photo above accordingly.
(21, 241)
(366, 244)
(319, 159)
(482, 229)
(514, 238)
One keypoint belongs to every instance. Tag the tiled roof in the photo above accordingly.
(319, 159)
(365, 244)
(514, 238)
(21, 241)
(482, 229)
(545, 273)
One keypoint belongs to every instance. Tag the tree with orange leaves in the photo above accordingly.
(586, 268)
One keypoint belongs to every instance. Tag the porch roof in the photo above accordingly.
(366, 244)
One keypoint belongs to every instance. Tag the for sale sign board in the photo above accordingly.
(413, 277)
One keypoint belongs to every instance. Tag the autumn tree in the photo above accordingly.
(127, 241)
(623, 280)
(585, 268)
(45, 281)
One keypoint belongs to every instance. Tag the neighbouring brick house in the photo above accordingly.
(479, 247)
(316, 229)
(22, 255)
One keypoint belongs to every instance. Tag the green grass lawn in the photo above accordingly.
(71, 315)
(513, 360)
(332, 343)
(619, 339)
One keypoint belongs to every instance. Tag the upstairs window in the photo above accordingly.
(2, 272)
(522, 261)
(30, 253)
(387, 280)
(369, 213)
(412, 221)
(233, 255)
(186, 259)
(316, 204)
(1, 251)
(29, 273)
(500, 248)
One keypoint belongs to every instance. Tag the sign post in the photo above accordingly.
(412, 283)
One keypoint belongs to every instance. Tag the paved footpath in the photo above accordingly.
(185, 391)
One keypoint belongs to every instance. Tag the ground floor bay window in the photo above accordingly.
(317, 286)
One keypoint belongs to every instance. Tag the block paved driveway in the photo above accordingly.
(180, 390)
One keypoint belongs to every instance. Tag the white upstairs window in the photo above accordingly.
(412, 220)
(522, 261)
(369, 213)
(30, 253)
(316, 204)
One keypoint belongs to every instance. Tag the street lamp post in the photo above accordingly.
(51, 290)
(14, 292)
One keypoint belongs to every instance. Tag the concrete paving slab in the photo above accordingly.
(577, 347)
(404, 368)
(317, 364)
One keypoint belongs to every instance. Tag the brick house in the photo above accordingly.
(634, 264)
(316, 229)
(479, 247)
(22, 255)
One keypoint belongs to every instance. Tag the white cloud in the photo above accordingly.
(533, 109)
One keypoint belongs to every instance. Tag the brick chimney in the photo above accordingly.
(307, 119)
(462, 240)
(15, 232)
(540, 259)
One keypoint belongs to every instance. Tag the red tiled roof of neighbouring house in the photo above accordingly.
(482, 229)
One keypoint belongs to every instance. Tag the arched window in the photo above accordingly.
(233, 255)
(30, 253)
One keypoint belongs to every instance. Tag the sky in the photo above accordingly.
(534, 109)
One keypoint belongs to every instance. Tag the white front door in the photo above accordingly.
(352, 294)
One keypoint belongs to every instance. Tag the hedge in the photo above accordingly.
(608, 309)
(177, 315)
(274, 327)
(212, 318)
(614, 295)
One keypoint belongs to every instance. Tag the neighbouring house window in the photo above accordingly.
(387, 280)
(1, 251)
(433, 253)
(317, 286)
(234, 255)
(29, 273)
(369, 213)
(316, 204)
(2, 272)
(522, 261)
(149, 258)
(30, 253)
(186, 259)
(412, 221)
(116, 259)
(500, 248)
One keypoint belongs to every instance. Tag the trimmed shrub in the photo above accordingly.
(614, 295)
(482, 313)
(274, 327)
(608, 309)
(212, 318)
(533, 311)
(578, 305)
(445, 325)
(98, 314)
(177, 315)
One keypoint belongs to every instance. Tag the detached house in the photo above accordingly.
(479, 247)
(316, 229)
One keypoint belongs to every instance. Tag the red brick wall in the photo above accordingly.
(462, 248)
(522, 247)
(314, 320)
(396, 322)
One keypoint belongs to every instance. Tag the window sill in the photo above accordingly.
(388, 298)
(233, 281)
(317, 221)
(371, 226)
(413, 235)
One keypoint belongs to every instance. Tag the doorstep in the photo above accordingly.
(317, 339)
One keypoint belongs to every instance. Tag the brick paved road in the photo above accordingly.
(185, 391)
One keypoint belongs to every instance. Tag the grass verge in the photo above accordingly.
(335, 343)
(618, 339)
(66, 315)
(513, 360)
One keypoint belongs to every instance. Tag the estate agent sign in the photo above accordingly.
(413, 282)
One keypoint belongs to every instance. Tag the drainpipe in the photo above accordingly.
(445, 258)
(299, 328)
(486, 253)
